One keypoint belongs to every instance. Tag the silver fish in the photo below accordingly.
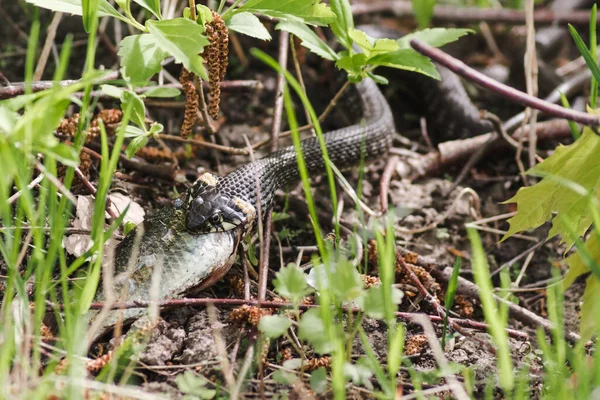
(188, 262)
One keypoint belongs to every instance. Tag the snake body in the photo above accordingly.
(225, 203)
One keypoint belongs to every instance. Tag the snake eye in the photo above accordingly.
(215, 218)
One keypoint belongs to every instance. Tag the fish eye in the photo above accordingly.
(215, 218)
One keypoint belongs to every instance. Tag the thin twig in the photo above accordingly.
(510, 93)
(208, 145)
(41, 66)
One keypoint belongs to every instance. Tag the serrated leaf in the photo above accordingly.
(183, 39)
(568, 171)
(274, 326)
(578, 264)
(74, 7)
(248, 24)
(346, 283)
(406, 59)
(141, 57)
(291, 282)
(162, 92)
(311, 12)
(138, 109)
(137, 143)
(310, 40)
(371, 46)
(435, 37)
(312, 329)
(590, 308)
(353, 65)
(344, 21)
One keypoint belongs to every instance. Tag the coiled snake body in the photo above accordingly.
(219, 204)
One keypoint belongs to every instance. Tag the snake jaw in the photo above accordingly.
(208, 210)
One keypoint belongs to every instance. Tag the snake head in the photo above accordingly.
(209, 210)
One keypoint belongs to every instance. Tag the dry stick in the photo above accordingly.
(475, 15)
(454, 151)
(386, 178)
(206, 120)
(276, 129)
(41, 66)
(470, 289)
(405, 316)
(226, 86)
(93, 191)
(510, 93)
(17, 89)
(208, 145)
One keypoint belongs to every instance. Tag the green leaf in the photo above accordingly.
(162, 92)
(136, 144)
(8, 120)
(344, 21)
(74, 7)
(89, 11)
(423, 10)
(284, 377)
(371, 46)
(570, 173)
(310, 40)
(248, 24)
(311, 12)
(374, 301)
(353, 65)
(585, 52)
(345, 281)
(406, 59)
(138, 110)
(63, 153)
(151, 5)
(112, 91)
(435, 37)
(579, 262)
(183, 39)
(590, 308)
(204, 14)
(141, 57)
(133, 131)
(274, 326)
(194, 385)
(290, 282)
(312, 329)
(318, 380)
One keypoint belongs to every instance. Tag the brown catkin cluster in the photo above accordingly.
(192, 100)
(249, 314)
(318, 362)
(216, 55)
(94, 366)
(415, 345)
(111, 118)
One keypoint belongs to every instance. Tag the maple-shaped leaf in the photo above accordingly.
(569, 176)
